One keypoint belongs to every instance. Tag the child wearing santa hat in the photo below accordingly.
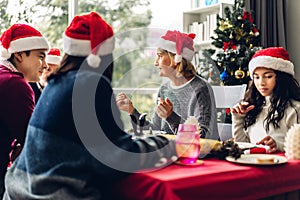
(76, 147)
(272, 102)
(23, 51)
(53, 61)
(184, 95)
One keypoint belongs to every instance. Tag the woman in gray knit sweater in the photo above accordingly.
(184, 94)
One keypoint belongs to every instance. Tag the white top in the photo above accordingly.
(256, 132)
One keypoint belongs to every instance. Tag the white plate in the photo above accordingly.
(147, 132)
(246, 145)
(251, 159)
(154, 132)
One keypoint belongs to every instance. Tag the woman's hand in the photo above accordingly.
(269, 141)
(164, 108)
(241, 108)
(124, 103)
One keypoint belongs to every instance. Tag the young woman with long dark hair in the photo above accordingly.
(272, 102)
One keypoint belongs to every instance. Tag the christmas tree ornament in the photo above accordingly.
(239, 74)
(224, 75)
(239, 33)
(256, 33)
(225, 25)
(234, 45)
(222, 27)
(292, 143)
(248, 39)
(248, 73)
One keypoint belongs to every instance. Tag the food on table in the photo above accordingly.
(265, 160)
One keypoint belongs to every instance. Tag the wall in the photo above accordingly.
(172, 19)
(167, 14)
(293, 30)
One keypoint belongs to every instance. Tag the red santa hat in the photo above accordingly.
(21, 37)
(276, 58)
(181, 44)
(53, 56)
(89, 35)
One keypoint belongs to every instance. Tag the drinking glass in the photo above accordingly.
(187, 143)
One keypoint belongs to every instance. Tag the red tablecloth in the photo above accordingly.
(215, 179)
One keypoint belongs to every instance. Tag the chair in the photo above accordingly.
(226, 97)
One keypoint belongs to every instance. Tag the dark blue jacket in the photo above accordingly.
(76, 147)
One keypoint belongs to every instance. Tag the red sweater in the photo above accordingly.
(16, 107)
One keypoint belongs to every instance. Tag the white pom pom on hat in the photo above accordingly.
(276, 58)
(21, 37)
(89, 35)
(178, 58)
(181, 44)
(4, 54)
(93, 60)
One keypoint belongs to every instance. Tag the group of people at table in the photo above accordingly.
(73, 142)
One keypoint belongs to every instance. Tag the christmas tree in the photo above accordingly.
(236, 40)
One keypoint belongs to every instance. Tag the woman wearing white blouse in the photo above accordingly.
(271, 103)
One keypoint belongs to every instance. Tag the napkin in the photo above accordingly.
(259, 149)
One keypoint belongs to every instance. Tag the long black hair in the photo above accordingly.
(286, 89)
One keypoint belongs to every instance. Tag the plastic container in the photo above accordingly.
(187, 143)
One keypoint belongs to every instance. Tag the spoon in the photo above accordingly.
(142, 120)
(134, 124)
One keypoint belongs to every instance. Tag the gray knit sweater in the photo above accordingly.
(195, 98)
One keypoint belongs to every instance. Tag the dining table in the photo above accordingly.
(214, 179)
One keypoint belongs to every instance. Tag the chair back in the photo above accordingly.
(226, 97)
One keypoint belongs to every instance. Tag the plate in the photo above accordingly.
(147, 132)
(197, 163)
(246, 145)
(251, 159)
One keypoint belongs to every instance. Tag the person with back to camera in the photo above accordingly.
(23, 51)
(75, 146)
(184, 95)
(272, 102)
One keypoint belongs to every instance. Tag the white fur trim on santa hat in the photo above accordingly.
(76, 47)
(171, 47)
(24, 44)
(51, 59)
(28, 43)
(271, 63)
